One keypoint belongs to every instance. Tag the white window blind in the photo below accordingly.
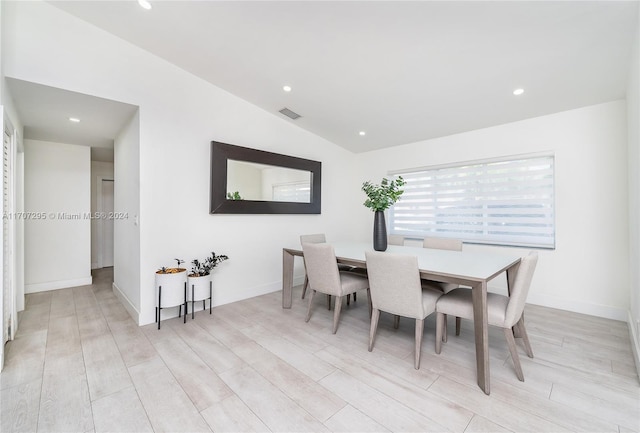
(501, 202)
(299, 192)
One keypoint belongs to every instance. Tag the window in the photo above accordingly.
(499, 202)
(295, 192)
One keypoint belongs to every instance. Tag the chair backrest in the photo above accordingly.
(442, 244)
(322, 268)
(520, 288)
(394, 282)
(395, 240)
(318, 238)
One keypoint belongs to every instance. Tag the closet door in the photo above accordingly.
(8, 229)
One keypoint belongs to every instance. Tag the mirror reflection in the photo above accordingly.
(261, 182)
(252, 181)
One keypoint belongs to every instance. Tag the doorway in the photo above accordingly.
(105, 207)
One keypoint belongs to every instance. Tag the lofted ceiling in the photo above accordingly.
(399, 71)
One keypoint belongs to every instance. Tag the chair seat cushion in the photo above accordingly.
(429, 299)
(458, 303)
(352, 281)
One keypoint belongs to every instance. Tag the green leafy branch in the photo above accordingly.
(381, 197)
(205, 267)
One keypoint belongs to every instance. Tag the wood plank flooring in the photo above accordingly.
(80, 364)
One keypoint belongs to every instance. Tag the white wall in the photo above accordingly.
(588, 271)
(179, 116)
(633, 137)
(126, 231)
(99, 170)
(19, 231)
(58, 238)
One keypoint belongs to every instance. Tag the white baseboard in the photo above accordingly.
(222, 297)
(126, 302)
(576, 306)
(635, 341)
(55, 285)
(228, 296)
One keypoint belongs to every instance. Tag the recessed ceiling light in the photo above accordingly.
(362, 133)
(518, 92)
(144, 4)
(74, 119)
(286, 88)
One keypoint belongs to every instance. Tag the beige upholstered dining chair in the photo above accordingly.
(318, 238)
(503, 311)
(394, 281)
(395, 240)
(442, 244)
(324, 277)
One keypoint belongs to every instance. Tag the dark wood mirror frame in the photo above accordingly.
(222, 152)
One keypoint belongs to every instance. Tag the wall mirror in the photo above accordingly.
(251, 181)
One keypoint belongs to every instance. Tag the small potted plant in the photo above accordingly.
(380, 198)
(171, 284)
(200, 286)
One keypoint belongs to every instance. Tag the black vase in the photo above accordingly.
(379, 232)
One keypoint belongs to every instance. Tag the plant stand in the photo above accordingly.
(171, 289)
(201, 289)
(159, 308)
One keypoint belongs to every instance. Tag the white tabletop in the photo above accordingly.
(468, 265)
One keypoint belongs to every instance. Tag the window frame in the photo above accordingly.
(479, 231)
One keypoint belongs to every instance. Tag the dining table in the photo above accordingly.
(467, 268)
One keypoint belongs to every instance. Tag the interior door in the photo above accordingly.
(7, 238)
(107, 223)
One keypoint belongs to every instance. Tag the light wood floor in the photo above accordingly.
(80, 364)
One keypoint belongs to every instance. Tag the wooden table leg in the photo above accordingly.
(481, 328)
(287, 279)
